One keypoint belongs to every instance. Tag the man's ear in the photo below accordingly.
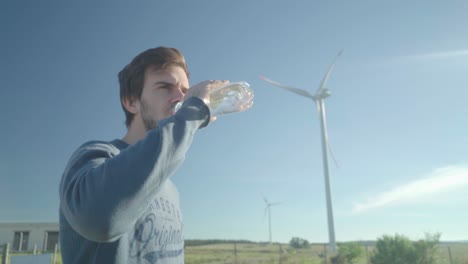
(131, 104)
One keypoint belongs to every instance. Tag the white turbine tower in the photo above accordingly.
(268, 210)
(319, 99)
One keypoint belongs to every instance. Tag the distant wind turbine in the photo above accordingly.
(268, 210)
(319, 99)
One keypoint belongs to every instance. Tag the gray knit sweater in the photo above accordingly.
(117, 203)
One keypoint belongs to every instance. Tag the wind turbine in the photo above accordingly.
(319, 99)
(268, 210)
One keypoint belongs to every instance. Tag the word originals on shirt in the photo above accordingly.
(152, 238)
(161, 204)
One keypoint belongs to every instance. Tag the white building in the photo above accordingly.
(26, 236)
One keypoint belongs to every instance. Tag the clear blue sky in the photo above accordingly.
(397, 118)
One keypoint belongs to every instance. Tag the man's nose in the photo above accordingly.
(179, 94)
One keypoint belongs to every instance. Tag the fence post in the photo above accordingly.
(54, 258)
(235, 252)
(35, 249)
(325, 251)
(367, 252)
(280, 254)
(5, 253)
(450, 254)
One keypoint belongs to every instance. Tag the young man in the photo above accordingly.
(117, 202)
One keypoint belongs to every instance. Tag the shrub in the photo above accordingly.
(297, 242)
(347, 253)
(399, 249)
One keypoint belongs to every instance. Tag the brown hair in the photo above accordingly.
(132, 77)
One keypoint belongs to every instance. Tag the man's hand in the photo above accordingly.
(202, 90)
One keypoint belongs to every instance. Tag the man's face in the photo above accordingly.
(162, 89)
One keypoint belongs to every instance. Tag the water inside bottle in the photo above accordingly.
(232, 98)
(229, 97)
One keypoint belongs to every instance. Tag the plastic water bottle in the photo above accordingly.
(231, 98)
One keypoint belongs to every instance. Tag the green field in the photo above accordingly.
(250, 253)
(253, 253)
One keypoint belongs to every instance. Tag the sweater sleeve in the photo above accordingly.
(104, 191)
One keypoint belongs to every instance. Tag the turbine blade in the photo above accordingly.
(272, 204)
(264, 215)
(295, 90)
(327, 75)
(317, 106)
(332, 154)
(265, 199)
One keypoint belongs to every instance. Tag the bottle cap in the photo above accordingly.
(177, 106)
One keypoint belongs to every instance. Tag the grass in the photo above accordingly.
(266, 254)
(251, 253)
(262, 253)
(459, 253)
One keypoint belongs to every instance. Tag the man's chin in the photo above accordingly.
(150, 126)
